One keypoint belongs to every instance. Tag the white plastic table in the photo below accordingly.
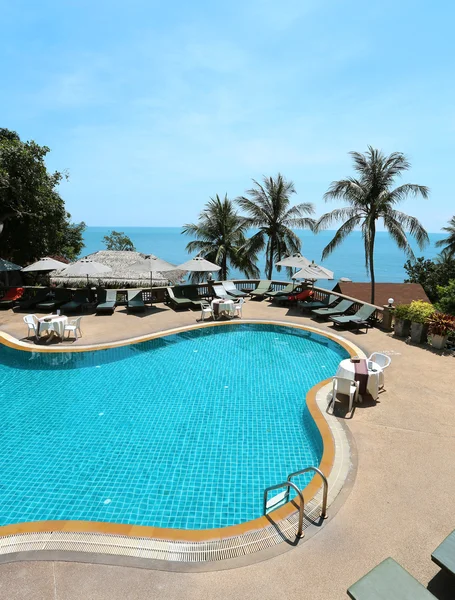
(53, 324)
(346, 369)
(221, 307)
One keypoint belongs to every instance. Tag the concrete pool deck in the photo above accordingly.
(401, 503)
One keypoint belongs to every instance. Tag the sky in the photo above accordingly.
(154, 107)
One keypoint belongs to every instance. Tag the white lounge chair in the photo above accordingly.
(32, 323)
(74, 325)
(206, 310)
(349, 387)
(238, 306)
(383, 361)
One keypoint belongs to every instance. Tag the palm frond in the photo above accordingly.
(338, 214)
(343, 231)
(409, 224)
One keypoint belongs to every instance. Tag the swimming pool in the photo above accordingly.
(183, 431)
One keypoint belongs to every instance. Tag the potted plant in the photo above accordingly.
(440, 326)
(402, 325)
(419, 313)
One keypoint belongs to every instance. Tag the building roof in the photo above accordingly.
(402, 293)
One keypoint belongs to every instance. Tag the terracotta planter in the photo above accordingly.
(419, 333)
(402, 327)
(439, 341)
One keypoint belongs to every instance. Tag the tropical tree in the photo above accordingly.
(33, 219)
(221, 238)
(269, 210)
(118, 240)
(371, 197)
(449, 242)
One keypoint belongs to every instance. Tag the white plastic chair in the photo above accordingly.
(383, 361)
(349, 387)
(206, 310)
(32, 323)
(238, 306)
(74, 325)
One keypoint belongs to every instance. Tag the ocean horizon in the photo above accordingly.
(346, 261)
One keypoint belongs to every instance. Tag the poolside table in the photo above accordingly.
(346, 369)
(222, 307)
(53, 324)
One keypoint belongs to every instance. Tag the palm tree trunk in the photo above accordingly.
(270, 259)
(371, 252)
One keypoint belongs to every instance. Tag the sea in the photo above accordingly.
(348, 260)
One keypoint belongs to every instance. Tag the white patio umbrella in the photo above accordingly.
(153, 264)
(45, 264)
(85, 267)
(295, 261)
(312, 272)
(198, 264)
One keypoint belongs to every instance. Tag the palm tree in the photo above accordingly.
(449, 242)
(269, 210)
(221, 238)
(371, 197)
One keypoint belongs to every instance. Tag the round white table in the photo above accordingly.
(346, 369)
(223, 307)
(53, 324)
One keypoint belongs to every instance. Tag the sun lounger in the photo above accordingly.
(108, 302)
(135, 302)
(220, 292)
(444, 555)
(293, 297)
(40, 296)
(178, 301)
(230, 288)
(11, 296)
(359, 318)
(388, 581)
(339, 309)
(80, 298)
(289, 289)
(315, 304)
(58, 297)
(262, 288)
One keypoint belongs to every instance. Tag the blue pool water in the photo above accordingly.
(184, 431)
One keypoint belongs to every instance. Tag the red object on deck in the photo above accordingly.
(13, 293)
(301, 296)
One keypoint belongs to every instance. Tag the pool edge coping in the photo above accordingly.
(194, 536)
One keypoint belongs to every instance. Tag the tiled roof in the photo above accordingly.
(402, 293)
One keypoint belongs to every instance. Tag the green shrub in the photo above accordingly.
(402, 311)
(420, 311)
(446, 295)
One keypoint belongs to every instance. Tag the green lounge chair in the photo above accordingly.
(339, 309)
(135, 302)
(40, 296)
(289, 289)
(60, 296)
(178, 302)
(229, 287)
(388, 581)
(360, 317)
(262, 288)
(80, 298)
(108, 302)
(444, 555)
(191, 293)
(220, 292)
(315, 304)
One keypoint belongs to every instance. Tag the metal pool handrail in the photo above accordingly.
(289, 485)
(324, 481)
